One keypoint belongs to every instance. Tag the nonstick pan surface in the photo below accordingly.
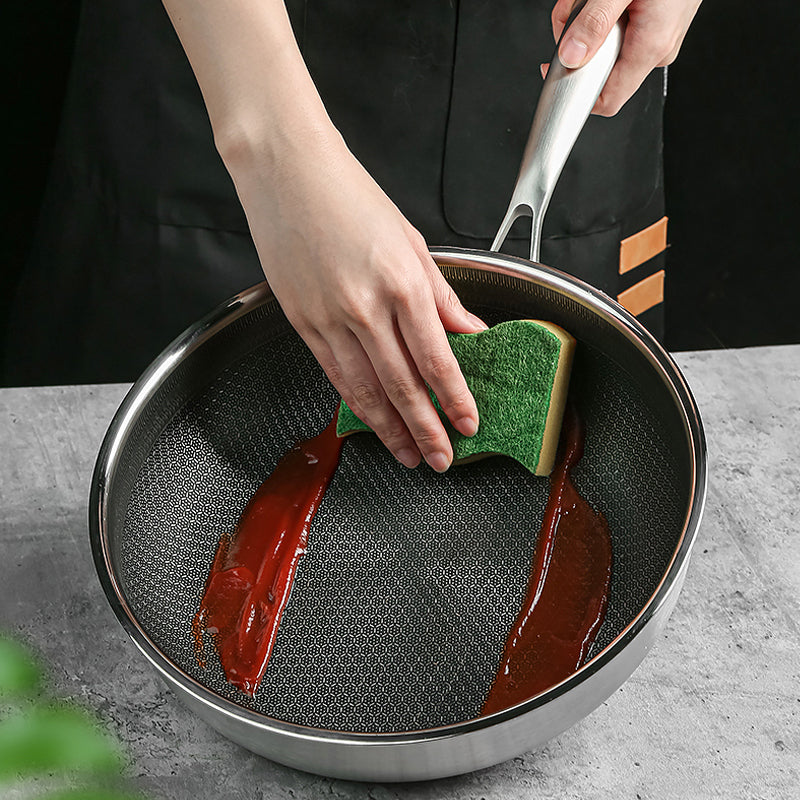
(412, 579)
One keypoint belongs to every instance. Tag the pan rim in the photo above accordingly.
(243, 303)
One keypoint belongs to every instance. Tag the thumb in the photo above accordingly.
(589, 31)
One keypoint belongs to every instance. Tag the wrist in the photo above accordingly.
(263, 143)
(273, 118)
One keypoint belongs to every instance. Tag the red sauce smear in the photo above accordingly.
(251, 577)
(254, 567)
(567, 593)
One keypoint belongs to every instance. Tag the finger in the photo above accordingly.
(559, 16)
(622, 83)
(414, 319)
(641, 51)
(408, 394)
(349, 370)
(453, 315)
(427, 344)
(589, 31)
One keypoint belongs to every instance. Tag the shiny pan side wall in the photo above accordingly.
(385, 652)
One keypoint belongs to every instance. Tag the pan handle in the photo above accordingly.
(568, 95)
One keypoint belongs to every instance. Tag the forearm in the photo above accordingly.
(350, 272)
(259, 96)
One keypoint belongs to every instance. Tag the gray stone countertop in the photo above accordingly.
(713, 711)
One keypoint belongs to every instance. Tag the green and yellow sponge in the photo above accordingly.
(518, 373)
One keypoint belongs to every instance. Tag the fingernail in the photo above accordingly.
(571, 53)
(543, 69)
(438, 461)
(467, 425)
(407, 457)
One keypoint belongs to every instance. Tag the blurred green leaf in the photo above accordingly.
(54, 739)
(19, 673)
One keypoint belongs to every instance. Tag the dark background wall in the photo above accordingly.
(37, 43)
(732, 157)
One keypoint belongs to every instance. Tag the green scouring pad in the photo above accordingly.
(518, 373)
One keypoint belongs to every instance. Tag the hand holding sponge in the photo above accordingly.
(518, 373)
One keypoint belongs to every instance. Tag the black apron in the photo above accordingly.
(141, 232)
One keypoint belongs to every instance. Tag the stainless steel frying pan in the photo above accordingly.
(411, 580)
